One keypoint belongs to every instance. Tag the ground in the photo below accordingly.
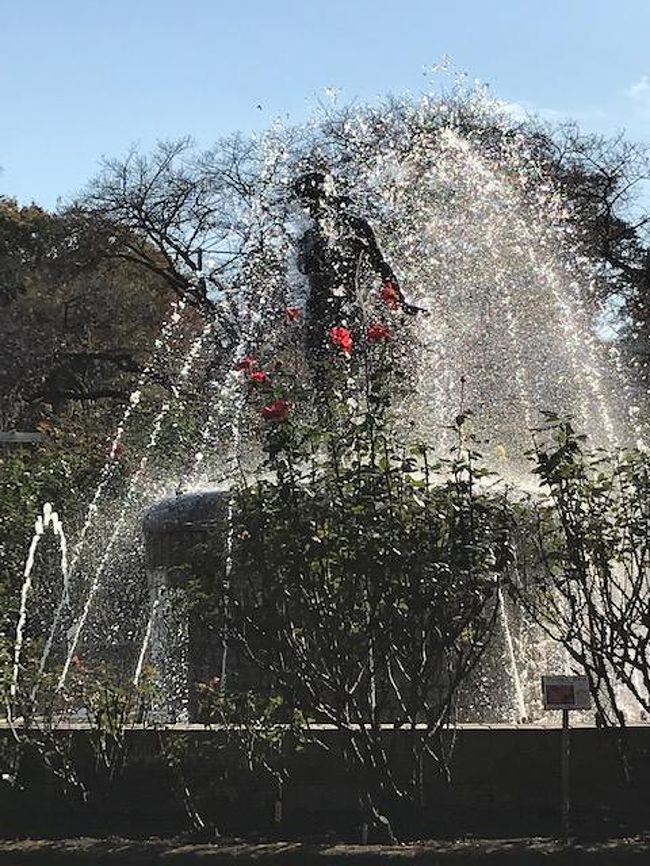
(487, 852)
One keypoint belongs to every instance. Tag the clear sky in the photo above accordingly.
(84, 78)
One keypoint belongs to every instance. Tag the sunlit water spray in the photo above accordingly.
(161, 346)
(49, 518)
(520, 701)
(129, 498)
(495, 271)
(147, 635)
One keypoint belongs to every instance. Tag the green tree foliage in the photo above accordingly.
(75, 328)
(606, 182)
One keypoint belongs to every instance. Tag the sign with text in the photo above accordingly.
(566, 693)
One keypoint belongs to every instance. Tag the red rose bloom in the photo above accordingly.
(259, 376)
(278, 410)
(377, 332)
(293, 314)
(247, 363)
(76, 663)
(341, 338)
(390, 295)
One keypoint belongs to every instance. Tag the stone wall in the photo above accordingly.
(504, 781)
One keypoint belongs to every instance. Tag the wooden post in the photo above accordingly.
(566, 756)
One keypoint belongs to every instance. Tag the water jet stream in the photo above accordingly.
(147, 636)
(516, 679)
(48, 517)
(129, 497)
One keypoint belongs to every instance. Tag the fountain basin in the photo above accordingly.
(184, 536)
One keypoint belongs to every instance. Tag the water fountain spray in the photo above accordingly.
(48, 518)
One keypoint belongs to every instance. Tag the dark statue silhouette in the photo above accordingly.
(331, 254)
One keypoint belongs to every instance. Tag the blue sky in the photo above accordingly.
(84, 78)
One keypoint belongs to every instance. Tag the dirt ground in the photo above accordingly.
(522, 852)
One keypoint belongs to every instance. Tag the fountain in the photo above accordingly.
(479, 239)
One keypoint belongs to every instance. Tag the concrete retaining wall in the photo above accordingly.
(504, 781)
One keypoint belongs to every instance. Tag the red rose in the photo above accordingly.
(293, 314)
(247, 363)
(341, 338)
(377, 332)
(76, 662)
(278, 410)
(390, 295)
(259, 376)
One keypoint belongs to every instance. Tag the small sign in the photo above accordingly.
(566, 693)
